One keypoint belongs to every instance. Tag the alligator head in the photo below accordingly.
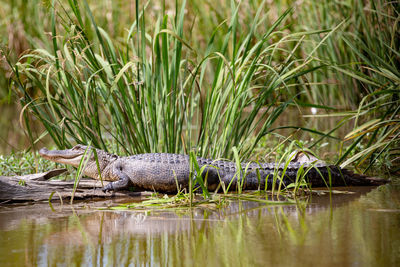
(74, 156)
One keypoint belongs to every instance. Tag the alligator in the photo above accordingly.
(165, 172)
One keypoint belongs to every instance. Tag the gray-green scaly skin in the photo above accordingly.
(162, 171)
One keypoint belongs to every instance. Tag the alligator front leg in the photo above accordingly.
(121, 184)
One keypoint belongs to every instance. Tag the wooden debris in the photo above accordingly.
(37, 187)
(43, 176)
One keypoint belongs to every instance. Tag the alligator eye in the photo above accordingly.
(77, 147)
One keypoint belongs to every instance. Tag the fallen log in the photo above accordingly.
(37, 187)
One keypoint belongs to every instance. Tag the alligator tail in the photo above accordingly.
(356, 179)
(323, 176)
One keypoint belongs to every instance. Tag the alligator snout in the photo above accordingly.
(43, 151)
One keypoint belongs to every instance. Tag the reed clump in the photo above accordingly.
(180, 77)
(153, 93)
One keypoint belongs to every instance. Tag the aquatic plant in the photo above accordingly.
(368, 56)
(200, 76)
(153, 93)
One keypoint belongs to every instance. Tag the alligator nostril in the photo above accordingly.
(43, 151)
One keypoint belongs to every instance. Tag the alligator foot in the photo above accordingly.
(108, 188)
(121, 184)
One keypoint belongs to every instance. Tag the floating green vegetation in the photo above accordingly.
(185, 201)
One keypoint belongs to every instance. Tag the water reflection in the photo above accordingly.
(347, 229)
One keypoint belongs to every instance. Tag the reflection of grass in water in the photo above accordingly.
(284, 236)
(249, 237)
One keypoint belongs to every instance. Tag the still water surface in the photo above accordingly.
(361, 228)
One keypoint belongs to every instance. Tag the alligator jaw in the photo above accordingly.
(74, 156)
(71, 156)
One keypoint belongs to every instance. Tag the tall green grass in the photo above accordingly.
(377, 119)
(173, 76)
(153, 92)
(365, 56)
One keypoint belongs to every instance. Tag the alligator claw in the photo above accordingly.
(108, 188)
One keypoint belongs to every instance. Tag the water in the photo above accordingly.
(356, 228)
